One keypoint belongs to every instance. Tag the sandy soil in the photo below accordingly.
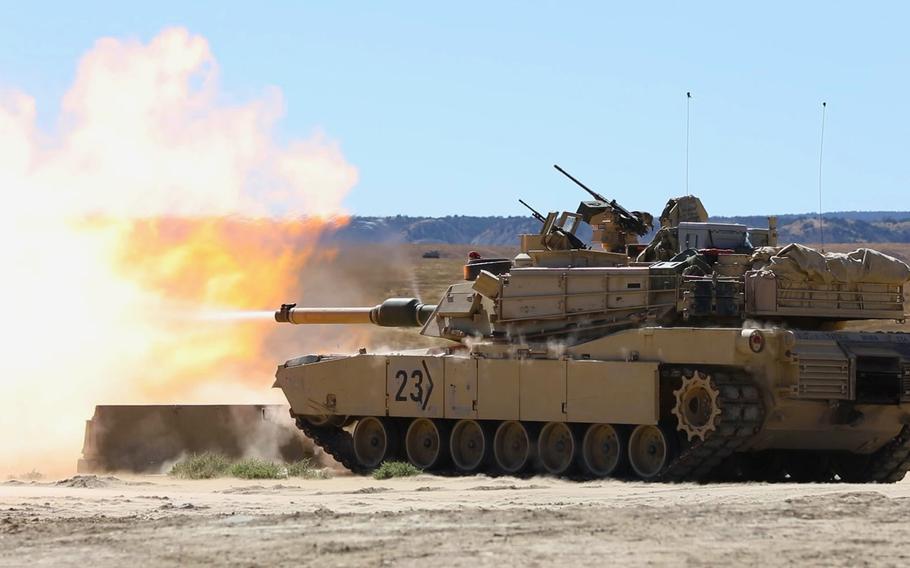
(432, 521)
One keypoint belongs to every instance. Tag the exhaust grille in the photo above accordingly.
(824, 370)
(824, 378)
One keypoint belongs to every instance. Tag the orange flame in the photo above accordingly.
(205, 266)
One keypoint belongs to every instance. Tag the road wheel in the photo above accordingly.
(470, 446)
(374, 441)
(556, 447)
(603, 450)
(512, 447)
(650, 450)
(425, 443)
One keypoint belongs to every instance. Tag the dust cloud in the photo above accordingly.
(142, 238)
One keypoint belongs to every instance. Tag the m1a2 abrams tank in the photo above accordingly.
(709, 353)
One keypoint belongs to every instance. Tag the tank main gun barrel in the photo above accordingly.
(289, 313)
(394, 312)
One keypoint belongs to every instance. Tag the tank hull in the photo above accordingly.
(680, 403)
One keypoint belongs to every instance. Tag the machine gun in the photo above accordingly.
(573, 240)
(628, 220)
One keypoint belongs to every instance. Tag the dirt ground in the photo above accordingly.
(434, 521)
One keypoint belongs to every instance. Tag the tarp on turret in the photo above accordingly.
(800, 263)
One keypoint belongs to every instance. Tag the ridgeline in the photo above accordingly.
(839, 227)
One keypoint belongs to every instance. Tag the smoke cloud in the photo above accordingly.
(151, 202)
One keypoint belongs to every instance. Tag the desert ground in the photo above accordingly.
(437, 521)
(427, 520)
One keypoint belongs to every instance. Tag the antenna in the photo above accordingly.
(821, 152)
(688, 101)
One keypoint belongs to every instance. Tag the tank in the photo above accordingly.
(698, 356)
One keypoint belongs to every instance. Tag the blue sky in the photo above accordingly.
(462, 108)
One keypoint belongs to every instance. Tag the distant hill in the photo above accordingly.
(456, 229)
(839, 227)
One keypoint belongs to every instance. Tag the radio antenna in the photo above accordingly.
(688, 101)
(821, 153)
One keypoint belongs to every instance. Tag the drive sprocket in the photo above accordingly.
(697, 410)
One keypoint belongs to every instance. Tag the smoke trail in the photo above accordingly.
(236, 315)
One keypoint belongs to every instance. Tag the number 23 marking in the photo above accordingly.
(417, 394)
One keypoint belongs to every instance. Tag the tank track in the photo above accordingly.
(741, 418)
(891, 463)
(335, 441)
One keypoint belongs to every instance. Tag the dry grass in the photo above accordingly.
(211, 465)
(307, 469)
(253, 468)
(390, 469)
(33, 475)
(201, 466)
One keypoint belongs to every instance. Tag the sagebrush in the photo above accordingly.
(201, 466)
(391, 469)
(211, 465)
